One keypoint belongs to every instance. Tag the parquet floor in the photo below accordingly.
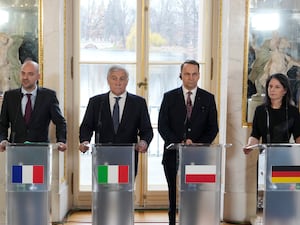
(141, 217)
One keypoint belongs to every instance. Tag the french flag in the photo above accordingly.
(28, 174)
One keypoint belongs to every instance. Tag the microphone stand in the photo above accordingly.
(173, 146)
(99, 124)
(185, 124)
(13, 125)
(268, 127)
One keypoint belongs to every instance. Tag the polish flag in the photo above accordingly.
(200, 174)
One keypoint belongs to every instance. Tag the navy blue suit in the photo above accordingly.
(174, 127)
(46, 109)
(135, 122)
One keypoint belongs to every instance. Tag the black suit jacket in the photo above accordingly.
(173, 125)
(135, 121)
(46, 109)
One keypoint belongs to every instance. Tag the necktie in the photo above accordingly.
(189, 105)
(116, 114)
(28, 109)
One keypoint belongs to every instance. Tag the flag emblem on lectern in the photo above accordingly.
(28, 174)
(113, 174)
(200, 174)
(285, 174)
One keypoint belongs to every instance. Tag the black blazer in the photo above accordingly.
(46, 109)
(135, 121)
(173, 125)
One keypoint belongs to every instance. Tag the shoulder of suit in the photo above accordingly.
(174, 91)
(261, 107)
(293, 108)
(99, 97)
(13, 92)
(134, 97)
(46, 90)
(201, 91)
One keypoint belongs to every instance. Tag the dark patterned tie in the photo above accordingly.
(189, 105)
(28, 109)
(116, 114)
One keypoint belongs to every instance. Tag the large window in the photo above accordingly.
(150, 38)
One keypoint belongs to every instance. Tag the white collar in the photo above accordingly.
(185, 91)
(33, 93)
(112, 95)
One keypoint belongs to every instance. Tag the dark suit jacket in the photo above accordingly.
(135, 121)
(173, 125)
(46, 109)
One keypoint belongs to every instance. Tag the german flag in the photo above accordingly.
(285, 174)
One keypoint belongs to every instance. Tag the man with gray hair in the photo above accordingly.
(117, 116)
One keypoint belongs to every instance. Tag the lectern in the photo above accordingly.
(28, 173)
(199, 175)
(282, 181)
(113, 184)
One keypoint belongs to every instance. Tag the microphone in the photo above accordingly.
(170, 146)
(14, 124)
(99, 123)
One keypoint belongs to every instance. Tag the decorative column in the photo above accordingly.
(240, 170)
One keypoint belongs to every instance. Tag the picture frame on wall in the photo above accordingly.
(272, 45)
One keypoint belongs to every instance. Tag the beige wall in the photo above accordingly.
(55, 76)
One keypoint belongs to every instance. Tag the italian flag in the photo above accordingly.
(113, 174)
(285, 174)
(28, 174)
(200, 174)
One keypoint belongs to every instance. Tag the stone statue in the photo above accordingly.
(279, 61)
(5, 42)
(14, 61)
(271, 58)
